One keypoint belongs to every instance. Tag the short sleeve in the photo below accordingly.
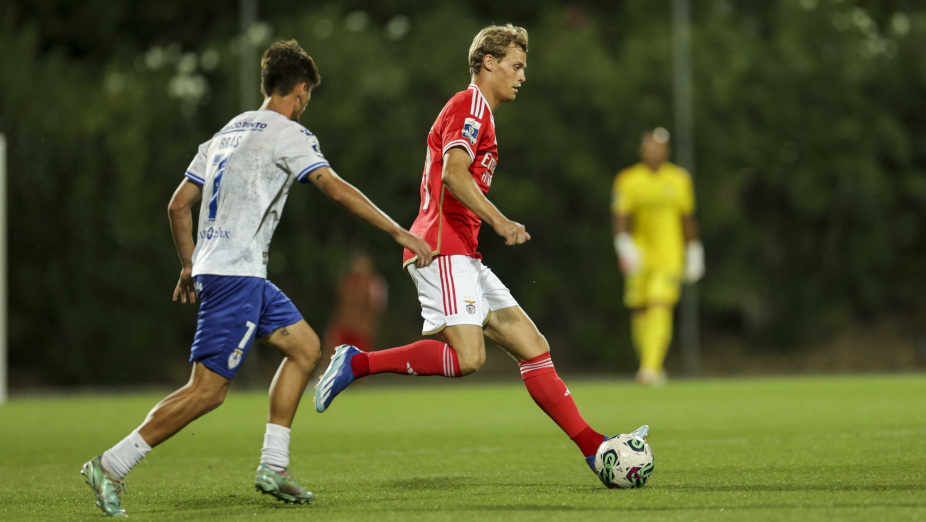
(621, 200)
(687, 200)
(196, 172)
(299, 153)
(463, 124)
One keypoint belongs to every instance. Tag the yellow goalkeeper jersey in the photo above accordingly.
(655, 203)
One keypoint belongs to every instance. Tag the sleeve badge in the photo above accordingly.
(471, 130)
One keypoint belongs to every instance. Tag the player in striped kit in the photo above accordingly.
(462, 300)
(243, 175)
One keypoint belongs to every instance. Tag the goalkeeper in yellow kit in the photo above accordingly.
(656, 239)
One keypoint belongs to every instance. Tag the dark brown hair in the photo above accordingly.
(283, 66)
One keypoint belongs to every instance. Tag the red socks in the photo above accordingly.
(549, 392)
(438, 358)
(426, 357)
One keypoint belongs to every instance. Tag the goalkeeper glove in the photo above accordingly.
(628, 255)
(694, 261)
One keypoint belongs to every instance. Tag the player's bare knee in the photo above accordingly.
(314, 355)
(299, 344)
(205, 400)
(308, 354)
(213, 403)
(471, 362)
(307, 358)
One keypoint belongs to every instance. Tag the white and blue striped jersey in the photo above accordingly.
(246, 171)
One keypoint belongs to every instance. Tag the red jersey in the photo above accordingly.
(451, 228)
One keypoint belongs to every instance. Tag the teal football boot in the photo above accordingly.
(282, 486)
(106, 490)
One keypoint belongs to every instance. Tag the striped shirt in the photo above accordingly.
(466, 122)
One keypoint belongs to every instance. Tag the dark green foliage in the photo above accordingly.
(809, 174)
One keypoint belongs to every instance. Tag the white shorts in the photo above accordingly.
(456, 290)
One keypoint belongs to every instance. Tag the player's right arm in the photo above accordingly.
(628, 255)
(458, 179)
(355, 202)
(180, 213)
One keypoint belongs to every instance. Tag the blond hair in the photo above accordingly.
(495, 40)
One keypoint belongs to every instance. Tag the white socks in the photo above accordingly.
(121, 458)
(275, 453)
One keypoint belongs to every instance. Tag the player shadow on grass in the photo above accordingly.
(214, 505)
(789, 487)
(430, 484)
(467, 483)
(637, 508)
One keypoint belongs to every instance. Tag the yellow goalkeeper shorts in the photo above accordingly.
(651, 287)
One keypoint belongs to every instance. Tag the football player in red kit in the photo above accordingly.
(462, 300)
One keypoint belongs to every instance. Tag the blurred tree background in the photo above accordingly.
(809, 176)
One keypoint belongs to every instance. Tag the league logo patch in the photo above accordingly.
(234, 359)
(471, 130)
(313, 142)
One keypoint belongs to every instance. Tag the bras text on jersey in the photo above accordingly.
(230, 142)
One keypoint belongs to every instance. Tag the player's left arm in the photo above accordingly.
(690, 227)
(457, 177)
(355, 202)
(180, 213)
(694, 249)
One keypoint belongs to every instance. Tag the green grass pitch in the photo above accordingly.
(834, 448)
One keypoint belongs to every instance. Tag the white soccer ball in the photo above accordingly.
(624, 461)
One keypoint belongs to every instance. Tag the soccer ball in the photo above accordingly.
(624, 461)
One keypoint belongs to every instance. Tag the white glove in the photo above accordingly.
(628, 254)
(694, 262)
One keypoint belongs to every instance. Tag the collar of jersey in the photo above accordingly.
(483, 99)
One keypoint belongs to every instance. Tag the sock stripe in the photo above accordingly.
(527, 369)
(534, 366)
(535, 363)
(553, 397)
(540, 362)
(448, 364)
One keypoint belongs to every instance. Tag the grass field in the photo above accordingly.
(846, 448)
